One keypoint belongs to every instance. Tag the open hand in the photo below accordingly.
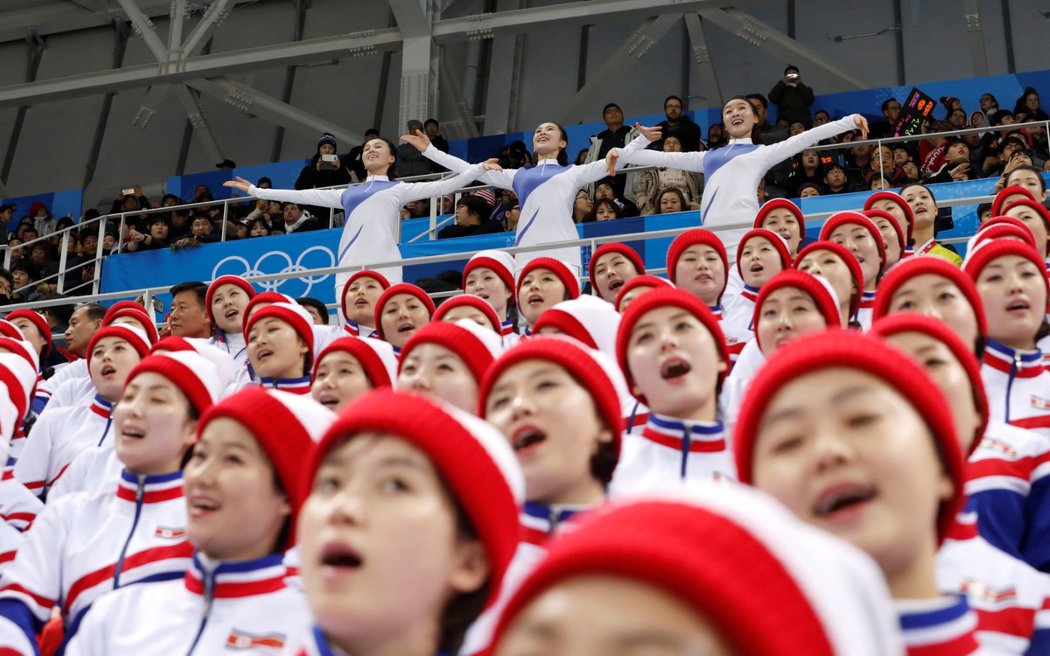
(239, 183)
(419, 139)
(489, 164)
(862, 125)
(652, 134)
(611, 158)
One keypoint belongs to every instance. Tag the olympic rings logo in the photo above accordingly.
(280, 262)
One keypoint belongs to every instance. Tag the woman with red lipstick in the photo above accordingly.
(243, 485)
(672, 353)
(861, 237)
(895, 205)
(400, 312)
(855, 438)
(1036, 217)
(225, 301)
(924, 208)
(281, 346)
(350, 367)
(359, 297)
(396, 466)
(611, 266)
(762, 254)
(447, 360)
(61, 434)
(132, 531)
(489, 275)
(542, 284)
(784, 218)
(835, 264)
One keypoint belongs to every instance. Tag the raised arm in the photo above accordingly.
(595, 171)
(495, 177)
(792, 146)
(321, 197)
(410, 191)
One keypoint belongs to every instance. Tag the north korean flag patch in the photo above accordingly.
(244, 640)
(169, 533)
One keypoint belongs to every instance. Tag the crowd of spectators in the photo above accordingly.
(817, 172)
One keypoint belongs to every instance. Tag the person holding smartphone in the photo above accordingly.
(792, 98)
(325, 169)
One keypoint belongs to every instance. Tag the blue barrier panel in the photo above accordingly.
(59, 203)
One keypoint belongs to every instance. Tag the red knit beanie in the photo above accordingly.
(37, 320)
(581, 363)
(587, 319)
(558, 268)
(376, 357)
(658, 298)
(500, 262)
(8, 329)
(226, 280)
(1013, 190)
(469, 300)
(1002, 230)
(286, 426)
(990, 251)
(472, 458)
(773, 238)
(466, 342)
(394, 290)
(261, 298)
(899, 200)
(138, 314)
(902, 241)
(920, 266)
(872, 356)
(910, 322)
(816, 289)
(856, 218)
(132, 335)
(711, 559)
(691, 238)
(1031, 204)
(647, 280)
(192, 373)
(616, 247)
(366, 273)
(848, 258)
(23, 349)
(291, 313)
(781, 204)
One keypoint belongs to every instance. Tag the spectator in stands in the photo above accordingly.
(820, 117)
(957, 166)
(353, 158)
(859, 164)
(180, 224)
(989, 105)
(42, 219)
(957, 118)
(316, 309)
(716, 136)
(767, 134)
(202, 194)
(130, 199)
(297, 219)
(581, 157)
(433, 130)
(910, 171)
(410, 161)
(671, 200)
(202, 231)
(43, 259)
(835, 180)
(604, 210)
(1012, 147)
(603, 190)
(891, 111)
(259, 228)
(677, 124)
(24, 274)
(581, 206)
(652, 182)
(806, 169)
(615, 135)
(7, 286)
(159, 231)
(189, 313)
(325, 169)
(792, 97)
(83, 323)
(1027, 107)
(418, 209)
(809, 190)
(472, 218)
(7, 212)
(512, 215)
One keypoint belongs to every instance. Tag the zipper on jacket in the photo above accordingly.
(105, 431)
(687, 442)
(1010, 382)
(139, 493)
(209, 596)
